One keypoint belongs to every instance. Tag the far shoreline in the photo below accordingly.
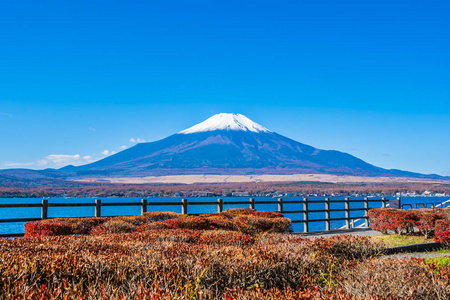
(201, 179)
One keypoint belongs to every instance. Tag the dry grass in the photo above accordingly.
(396, 240)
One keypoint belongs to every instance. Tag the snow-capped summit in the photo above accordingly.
(226, 121)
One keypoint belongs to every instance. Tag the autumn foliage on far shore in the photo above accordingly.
(248, 221)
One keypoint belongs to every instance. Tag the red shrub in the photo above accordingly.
(244, 220)
(398, 220)
(159, 216)
(426, 219)
(219, 237)
(84, 225)
(442, 232)
(189, 222)
(113, 226)
(221, 222)
(234, 212)
(47, 228)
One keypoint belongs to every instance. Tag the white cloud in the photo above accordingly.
(6, 114)
(108, 152)
(55, 161)
(91, 129)
(60, 160)
(137, 140)
(13, 164)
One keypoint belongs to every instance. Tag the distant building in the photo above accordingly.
(240, 194)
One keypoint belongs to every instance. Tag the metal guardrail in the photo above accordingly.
(304, 212)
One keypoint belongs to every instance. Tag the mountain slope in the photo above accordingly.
(229, 144)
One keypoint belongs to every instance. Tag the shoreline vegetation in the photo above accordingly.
(16, 189)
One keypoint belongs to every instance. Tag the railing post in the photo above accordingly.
(252, 203)
(366, 212)
(280, 205)
(98, 208)
(219, 205)
(44, 209)
(347, 213)
(383, 202)
(327, 213)
(143, 206)
(184, 206)
(305, 215)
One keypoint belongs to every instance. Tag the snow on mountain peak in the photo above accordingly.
(226, 121)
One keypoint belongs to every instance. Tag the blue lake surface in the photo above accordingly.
(35, 212)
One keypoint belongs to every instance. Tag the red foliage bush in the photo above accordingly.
(189, 222)
(426, 220)
(404, 221)
(113, 226)
(244, 220)
(47, 228)
(398, 220)
(442, 232)
(84, 225)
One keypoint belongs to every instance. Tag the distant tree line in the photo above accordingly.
(72, 189)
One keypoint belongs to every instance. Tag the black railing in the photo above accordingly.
(185, 204)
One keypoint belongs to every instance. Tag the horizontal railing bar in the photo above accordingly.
(19, 220)
(266, 202)
(318, 210)
(318, 220)
(123, 204)
(11, 235)
(21, 205)
(203, 203)
(294, 211)
(163, 203)
(340, 219)
(239, 203)
(323, 220)
(70, 204)
(331, 201)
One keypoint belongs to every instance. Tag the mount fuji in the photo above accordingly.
(229, 144)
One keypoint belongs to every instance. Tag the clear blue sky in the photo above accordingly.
(371, 78)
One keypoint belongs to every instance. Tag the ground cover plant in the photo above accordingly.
(163, 259)
(211, 264)
(395, 240)
(243, 220)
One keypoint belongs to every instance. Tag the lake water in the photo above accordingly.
(35, 212)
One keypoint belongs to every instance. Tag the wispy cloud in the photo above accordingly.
(91, 128)
(15, 164)
(137, 140)
(107, 152)
(6, 114)
(60, 160)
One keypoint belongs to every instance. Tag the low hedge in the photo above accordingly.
(247, 221)
(406, 221)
